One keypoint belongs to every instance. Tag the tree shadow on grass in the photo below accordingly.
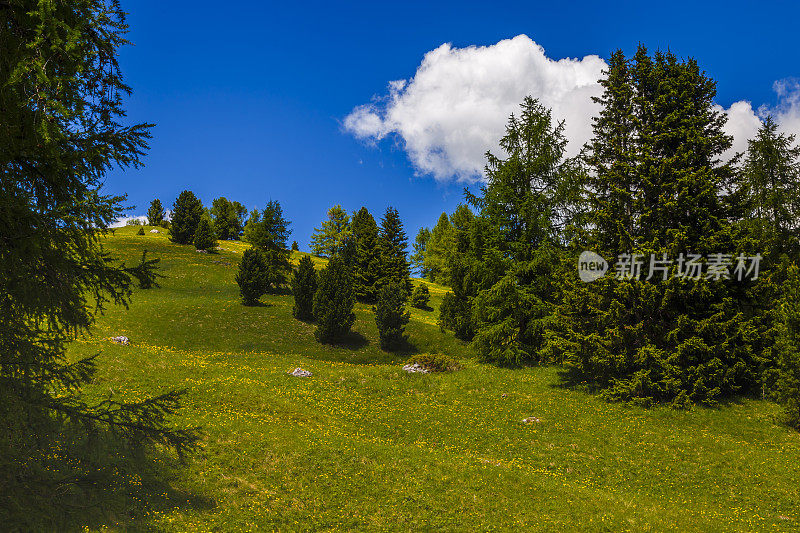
(73, 479)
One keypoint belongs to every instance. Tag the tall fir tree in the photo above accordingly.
(366, 267)
(155, 213)
(204, 238)
(269, 231)
(520, 207)
(253, 276)
(186, 213)
(329, 239)
(228, 218)
(420, 246)
(435, 260)
(333, 302)
(63, 127)
(304, 286)
(392, 244)
(391, 316)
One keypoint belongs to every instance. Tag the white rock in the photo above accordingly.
(300, 373)
(531, 420)
(154, 231)
(121, 340)
(416, 368)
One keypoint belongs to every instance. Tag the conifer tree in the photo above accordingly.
(520, 205)
(253, 276)
(328, 240)
(366, 266)
(228, 218)
(186, 214)
(61, 95)
(392, 243)
(435, 260)
(204, 237)
(418, 257)
(155, 214)
(465, 240)
(789, 348)
(391, 316)
(304, 286)
(420, 297)
(333, 302)
(269, 231)
(295, 246)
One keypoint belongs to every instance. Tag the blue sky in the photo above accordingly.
(251, 99)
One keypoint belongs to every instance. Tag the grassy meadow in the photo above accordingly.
(362, 445)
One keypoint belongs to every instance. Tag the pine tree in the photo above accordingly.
(141, 231)
(420, 297)
(253, 276)
(328, 240)
(435, 260)
(674, 340)
(333, 302)
(61, 95)
(418, 257)
(228, 218)
(304, 286)
(466, 243)
(295, 246)
(520, 205)
(186, 214)
(155, 214)
(392, 245)
(391, 316)
(269, 231)
(366, 265)
(789, 348)
(204, 237)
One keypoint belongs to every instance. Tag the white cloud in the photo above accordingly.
(123, 221)
(456, 106)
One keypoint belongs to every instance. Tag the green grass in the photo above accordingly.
(362, 445)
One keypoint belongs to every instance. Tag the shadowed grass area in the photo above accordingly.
(362, 445)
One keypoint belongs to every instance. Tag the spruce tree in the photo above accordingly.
(186, 214)
(61, 95)
(420, 297)
(366, 265)
(228, 218)
(295, 246)
(465, 239)
(391, 316)
(435, 257)
(328, 240)
(269, 231)
(253, 276)
(789, 348)
(155, 214)
(392, 243)
(418, 257)
(333, 302)
(304, 286)
(204, 237)
(520, 205)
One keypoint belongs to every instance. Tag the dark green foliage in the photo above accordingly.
(204, 237)
(61, 96)
(391, 316)
(333, 302)
(366, 265)
(392, 245)
(789, 349)
(520, 206)
(304, 286)
(657, 186)
(269, 231)
(228, 218)
(418, 257)
(186, 214)
(420, 297)
(435, 362)
(253, 276)
(295, 246)
(328, 240)
(155, 213)
(455, 314)
(141, 231)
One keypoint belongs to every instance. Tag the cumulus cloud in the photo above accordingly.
(456, 106)
(123, 221)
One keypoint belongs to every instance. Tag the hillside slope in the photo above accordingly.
(363, 445)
